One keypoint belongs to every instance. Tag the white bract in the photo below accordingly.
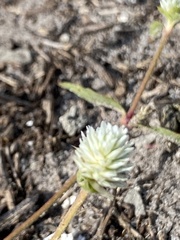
(170, 9)
(103, 158)
(168, 5)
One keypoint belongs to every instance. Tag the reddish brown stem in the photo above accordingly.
(165, 36)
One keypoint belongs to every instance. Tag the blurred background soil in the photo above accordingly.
(104, 45)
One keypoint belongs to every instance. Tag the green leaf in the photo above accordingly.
(170, 135)
(93, 97)
(155, 28)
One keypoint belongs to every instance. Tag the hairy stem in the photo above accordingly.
(165, 36)
(43, 209)
(70, 214)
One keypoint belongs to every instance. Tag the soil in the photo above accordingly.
(104, 45)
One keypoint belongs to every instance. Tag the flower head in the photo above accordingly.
(171, 10)
(103, 158)
(169, 5)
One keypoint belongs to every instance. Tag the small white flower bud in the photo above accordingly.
(171, 11)
(169, 5)
(103, 158)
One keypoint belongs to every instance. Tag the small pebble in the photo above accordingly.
(123, 17)
(65, 38)
(133, 197)
(68, 202)
(29, 123)
(64, 236)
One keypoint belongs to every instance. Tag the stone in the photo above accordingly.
(133, 197)
(17, 56)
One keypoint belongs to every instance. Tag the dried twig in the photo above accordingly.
(48, 78)
(103, 224)
(102, 73)
(127, 225)
(9, 81)
(43, 209)
(12, 217)
(7, 187)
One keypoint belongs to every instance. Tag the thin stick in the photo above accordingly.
(70, 214)
(126, 225)
(43, 209)
(165, 36)
(103, 224)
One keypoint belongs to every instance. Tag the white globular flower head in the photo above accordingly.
(171, 10)
(103, 158)
(168, 5)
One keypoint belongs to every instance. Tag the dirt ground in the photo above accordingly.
(104, 45)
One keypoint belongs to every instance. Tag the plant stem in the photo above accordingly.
(43, 209)
(70, 214)
(165, 36)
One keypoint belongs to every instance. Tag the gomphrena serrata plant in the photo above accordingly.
(103, 155)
